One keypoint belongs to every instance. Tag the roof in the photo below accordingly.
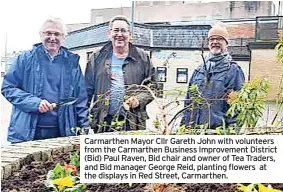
(87, 36)
(166, 36)
(185, 36)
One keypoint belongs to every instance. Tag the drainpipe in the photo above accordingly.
(133, 7)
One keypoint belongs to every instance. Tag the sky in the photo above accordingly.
(22, 19)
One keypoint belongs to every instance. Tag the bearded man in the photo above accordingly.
(215, 79)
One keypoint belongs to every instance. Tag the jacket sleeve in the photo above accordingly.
(13, 89)
(90, 79)
(187, 113)
(238, 79)
(81, 104)
(144, 96)
(236, 82)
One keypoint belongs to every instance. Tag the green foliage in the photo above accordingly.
(224, 130)
(257, 188)
(279, 97)
(78, 130)
(116, 124)
(156, 123)
(181, 130)
(90, 118)
(58, 172)
(106, 102)
(178, 92)
(202, 126)
(279, 49)
(64, 179)
(77, 188)
(196, 98)
(248, 102)
(166, 93)
(139, 133)
(75, 159)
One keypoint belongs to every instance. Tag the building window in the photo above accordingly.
(88, 55)
(161, 74)
(99, 19)
(182, 75)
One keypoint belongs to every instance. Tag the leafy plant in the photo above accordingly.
(156, 123)
(75, 159)
(181, 130)
(257, 188)
(118, 125)
(279, 48)
(279, 97)
(248, 102)
(66, 178)
(223, 130)
(78, 130)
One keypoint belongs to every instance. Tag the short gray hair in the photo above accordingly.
(57, 21)
(119, 18)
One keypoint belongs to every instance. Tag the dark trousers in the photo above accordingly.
(46, 133)
(111, 127)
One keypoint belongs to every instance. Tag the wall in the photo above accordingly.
(264, 64)
(189, 59)
(83, 56)
(183, 59)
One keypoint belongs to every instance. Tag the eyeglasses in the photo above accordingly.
(216, 38)
(49, 33)
(123, 31)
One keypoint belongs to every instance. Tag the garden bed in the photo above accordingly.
(32, 176)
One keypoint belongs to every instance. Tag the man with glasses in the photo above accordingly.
(219, 75)
(38, 79)
(113, 78)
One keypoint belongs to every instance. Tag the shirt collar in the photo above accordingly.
(52, 57)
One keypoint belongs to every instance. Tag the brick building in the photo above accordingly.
(181, 11)
(263, 61)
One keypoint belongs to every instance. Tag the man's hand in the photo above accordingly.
(44, 106)
(133, 102)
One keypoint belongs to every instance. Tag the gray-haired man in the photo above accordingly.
(39, 77)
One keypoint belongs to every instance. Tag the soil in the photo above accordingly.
(31, 179)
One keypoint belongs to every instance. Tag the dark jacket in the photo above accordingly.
(23, 85)
(137, 69)
(223, 79)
